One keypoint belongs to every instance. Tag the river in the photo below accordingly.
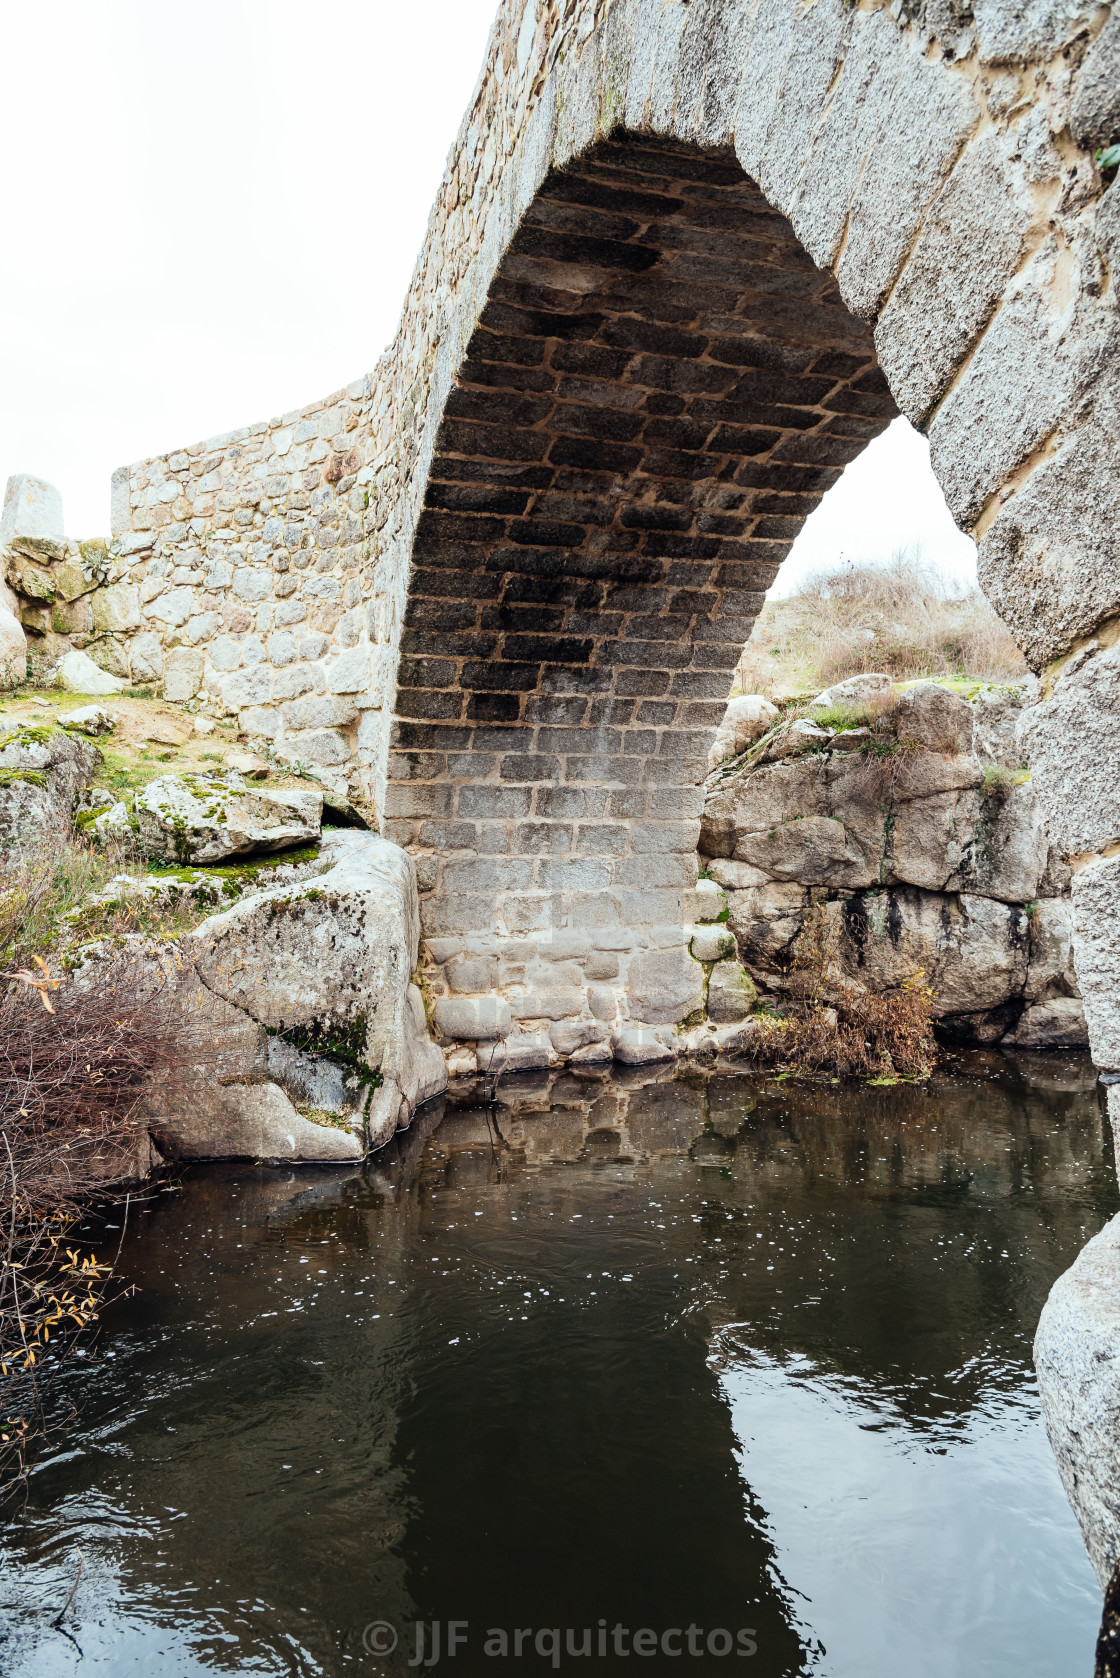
(726, 1373)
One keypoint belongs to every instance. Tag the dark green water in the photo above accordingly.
(737, 1356)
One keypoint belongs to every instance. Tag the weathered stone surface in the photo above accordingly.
(736, 875)
(116, 608)
(814, 850)
(194, 819)
(1049, 561)
(1033, 364)
(525, 1051)
(330, 961)
(665, 986)
(79, 674)
(1014, 34)
(1058, 1023)
(996, 710)
(182, 674)
(569, 1036)
(708, 901)
(88, 719)
(766, 920)
(70, 580)
(711, 943)
(32, 507)
(42, 770)
(249, 1121)
(972, 950)
(747, 718)
(1008, 848)
(472, 1018)
(146, 657)
(964, 259)
(1052, 971)
(967, 840)
(1077, 1358)
(760, 800)
(13, 651)
(797, 739)
(1096, 952)
(732, 994)
(1094, 115)
(640, 1046)
(931, 838)
(1073, 742)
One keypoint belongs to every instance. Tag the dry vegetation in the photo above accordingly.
(74, 1065)
(904, 619)
(833, 1028)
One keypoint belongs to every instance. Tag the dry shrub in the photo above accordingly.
(883, 1038)
(905, 619)
(75, 1064)
(41, 883)
(830, 1026)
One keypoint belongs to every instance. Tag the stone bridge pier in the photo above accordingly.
(660, 388)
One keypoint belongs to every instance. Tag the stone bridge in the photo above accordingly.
(688, 258)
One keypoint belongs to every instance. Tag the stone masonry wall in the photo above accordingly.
(935, 168)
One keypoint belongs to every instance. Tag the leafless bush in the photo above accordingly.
(904, 619)
(42, 882)
(829, 1026)
(75, 1064)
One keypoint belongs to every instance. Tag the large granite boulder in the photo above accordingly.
(327, 964)
(1096, 916)
(302, 1035)
(1077, 1357)
(77, 673)
(207, 818)
(42, 771)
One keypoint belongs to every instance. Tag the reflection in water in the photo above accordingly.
(729, 1353)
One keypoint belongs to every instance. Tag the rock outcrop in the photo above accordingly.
(200, 819)
(327, 965)
(895, 814)
(310, 1038)
(42, 771)
(1077, 1357)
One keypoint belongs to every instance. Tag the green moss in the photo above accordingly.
(346, 1042)
(28, 734)
(34, 777)
(237, 875)
(84, 819)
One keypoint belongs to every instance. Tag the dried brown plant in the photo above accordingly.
(905, 619)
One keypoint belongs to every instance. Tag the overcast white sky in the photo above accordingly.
(213, 213)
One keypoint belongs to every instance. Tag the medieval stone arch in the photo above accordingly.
(659, 389)
(597, 429)
(759, 233)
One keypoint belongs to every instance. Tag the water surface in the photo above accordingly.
(733, 1357)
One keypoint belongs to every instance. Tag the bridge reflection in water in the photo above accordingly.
(731, 1352)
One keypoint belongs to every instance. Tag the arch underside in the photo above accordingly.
(658, 392)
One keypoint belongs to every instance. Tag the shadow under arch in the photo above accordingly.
(660, 388)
